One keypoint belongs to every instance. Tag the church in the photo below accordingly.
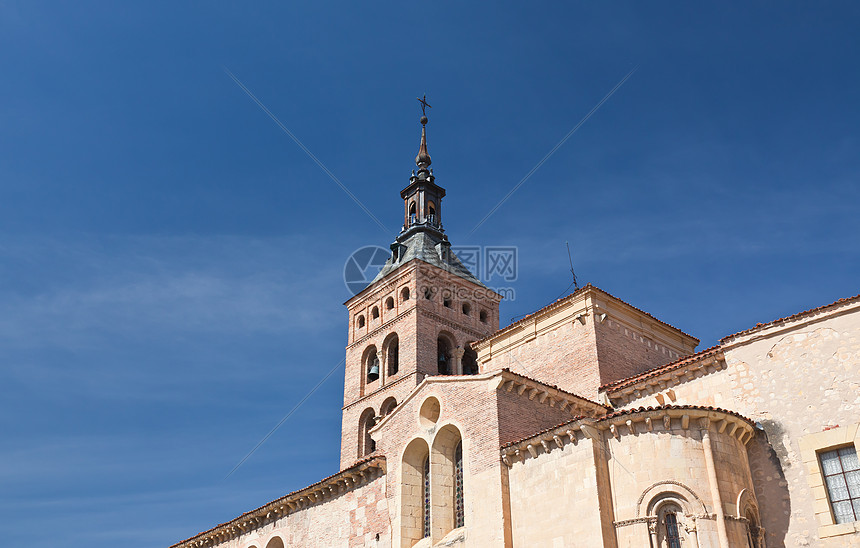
(589, 423)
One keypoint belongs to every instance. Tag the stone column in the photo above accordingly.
(652, 532)
(716, 500)
(693, 534)
(457, 357)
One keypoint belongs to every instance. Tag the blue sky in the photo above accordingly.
(171, 262)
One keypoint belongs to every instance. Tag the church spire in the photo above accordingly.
(423, 159)
(423, 197)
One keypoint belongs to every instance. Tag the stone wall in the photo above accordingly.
(554, 498)
(796, 378)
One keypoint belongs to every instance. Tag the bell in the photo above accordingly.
(373, 374)
(443, 358)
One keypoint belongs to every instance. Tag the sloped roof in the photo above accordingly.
(583, 399)
(430, 247)
(659, 370)
(623, 412)
(572, 296)
(507, 375)
(798, 316)
(265, 512)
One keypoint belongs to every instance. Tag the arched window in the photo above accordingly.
(393, 358)
(374, 313)
(425, 494)
(667, 505)
(752, 530)
(459, 507)
(392, 354)
(387, 407)
(276, 542)
(446, 301)
(467, 309)
(414, 488)
(447, 496)
(389, 303)
(428, 293)
(470, 361)
(750, 512)
(431, 208)
(365, 423)
(360, 321)
(404, 294)
(673, 535)
(483, 316)
(371, 364)
(443, 356)
(412, 208)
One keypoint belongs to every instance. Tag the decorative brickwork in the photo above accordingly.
(588, 423)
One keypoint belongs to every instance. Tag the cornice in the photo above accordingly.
(582, 292)
(382, 327)
(390, 279)
(450, 323)
(406, 375)
(504, 379)
(329, 488)
(665, 377)
(674, 419)
(780, 325)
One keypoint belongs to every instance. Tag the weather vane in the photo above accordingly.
(424, 104)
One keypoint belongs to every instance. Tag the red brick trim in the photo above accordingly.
(381, 327)
(326, 488)
(405, 375)
(506, 377)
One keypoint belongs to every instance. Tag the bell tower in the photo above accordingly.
(417, 318)
(422, 199)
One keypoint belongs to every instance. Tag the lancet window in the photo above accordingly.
(425, 476)
(443, 356)
(673, 536)
(459, 509)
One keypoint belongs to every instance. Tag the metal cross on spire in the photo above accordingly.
(424, 104)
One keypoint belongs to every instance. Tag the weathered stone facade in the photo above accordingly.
(588, 423)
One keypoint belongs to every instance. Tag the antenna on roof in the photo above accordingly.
(573, 284)
(572, 273)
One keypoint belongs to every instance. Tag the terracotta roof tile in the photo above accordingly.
(544, 431)
(627, 412)
(797, 316)
(615, 385)
(658, 408)
(554, 387)
(570, 297)
(369, 458)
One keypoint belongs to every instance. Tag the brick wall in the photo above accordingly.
(624, 352)
(583, 341)
(417, 322)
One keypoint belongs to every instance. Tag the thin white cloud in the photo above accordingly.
(87, 290)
